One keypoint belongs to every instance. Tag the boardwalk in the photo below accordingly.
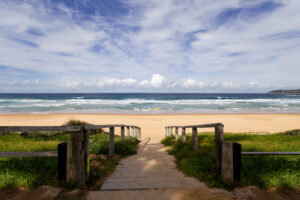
(151, 174)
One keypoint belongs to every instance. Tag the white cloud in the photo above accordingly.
(253, 83)
(161, 83)
(72, 84)
(228, 84)
(114, 82)
(180, 41)
(22, 83)
(156, 81)
(190, 83)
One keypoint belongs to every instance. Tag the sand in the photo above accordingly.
(153, 124)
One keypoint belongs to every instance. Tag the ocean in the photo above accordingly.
(149, 103)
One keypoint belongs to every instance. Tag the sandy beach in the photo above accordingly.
(153, 124)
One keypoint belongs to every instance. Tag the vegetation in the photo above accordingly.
(262, 171)
(36, 171)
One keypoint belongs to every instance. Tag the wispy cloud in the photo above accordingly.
(150, 45)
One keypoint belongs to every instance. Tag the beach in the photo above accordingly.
(152, 125)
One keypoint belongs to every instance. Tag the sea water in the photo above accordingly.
(149, 103)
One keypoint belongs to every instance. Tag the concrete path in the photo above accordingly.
(152, 167)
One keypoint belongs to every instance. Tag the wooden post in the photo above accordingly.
(176, 134)
(219, 139)
(128, 134)
(111, 141)
(171, 131)
(166, 132)
(183, 136)
(231, 162)
(75, 159)
(86, 153)
(140, 134)
(62, 161)
(69, 171)
(122, 134)
(134, 131)
(195, 139)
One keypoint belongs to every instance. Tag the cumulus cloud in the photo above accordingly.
(114, 82)
(156, 81)
(160, 83)
(191, 83)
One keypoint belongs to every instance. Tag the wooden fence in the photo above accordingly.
(228, 154)
(219, 137)
(77, 151)
(232, 156)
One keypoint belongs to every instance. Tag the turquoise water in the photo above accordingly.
(149, 103)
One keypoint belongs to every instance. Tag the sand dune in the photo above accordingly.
(153, 125)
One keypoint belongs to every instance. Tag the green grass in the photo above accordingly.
(28, 172)
(35, 171)
(262, 171)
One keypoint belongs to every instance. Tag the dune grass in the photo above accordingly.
(36, 171)
(262, 171)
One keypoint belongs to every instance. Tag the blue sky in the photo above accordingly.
(149, 45)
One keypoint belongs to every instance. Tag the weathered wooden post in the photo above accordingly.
(140, 134)
(183, 136)
(131, 131)
(195, 139)
(176, 134)
(231, 162)
(111, 141)
(75, 159)
(134, 131)
(219, 139)
(128, 134)
(86, 134)
(171, 131)
(122, 134)
(166, 132)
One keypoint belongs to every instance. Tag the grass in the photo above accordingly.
(33, 172)
(262, 171)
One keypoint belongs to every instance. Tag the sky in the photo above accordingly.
(149, 45)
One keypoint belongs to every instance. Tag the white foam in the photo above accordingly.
(148, 105)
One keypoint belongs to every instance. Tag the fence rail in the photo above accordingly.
(73, 156)
(9, 129)
(270, 153)
(28, 154)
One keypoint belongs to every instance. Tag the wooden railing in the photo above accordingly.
(219, 137)
(77, 151)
